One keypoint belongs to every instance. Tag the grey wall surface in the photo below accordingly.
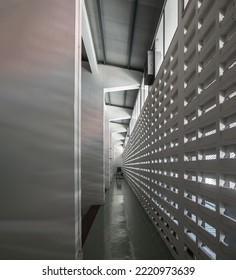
(118, 161)
(112, 113)
(37, 211)
(114, 129)
(116, 151)
(93, 136)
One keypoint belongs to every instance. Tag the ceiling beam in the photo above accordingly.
(121, 88)
(120, 122)
(120, 106)
(117, 127)
(122, 66)
(132, 32)
(88, 41)
(101, 31)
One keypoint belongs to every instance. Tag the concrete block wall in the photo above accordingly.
(180, 159)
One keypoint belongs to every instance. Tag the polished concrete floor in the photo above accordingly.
(122, 230)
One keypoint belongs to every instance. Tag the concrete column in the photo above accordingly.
(39, 136)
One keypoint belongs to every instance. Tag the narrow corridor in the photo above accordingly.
(122, 230)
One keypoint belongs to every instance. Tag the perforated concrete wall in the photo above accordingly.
(181, 157)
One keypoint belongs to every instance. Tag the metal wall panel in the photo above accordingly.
(37, 54)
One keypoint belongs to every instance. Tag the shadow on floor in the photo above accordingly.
(122, 229)
(88, 221)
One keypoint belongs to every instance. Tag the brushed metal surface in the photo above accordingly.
(36, 129)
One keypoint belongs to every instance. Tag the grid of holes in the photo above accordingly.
(148, 157)
(151, 156)
(209, 128)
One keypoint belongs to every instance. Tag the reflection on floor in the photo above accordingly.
(122, 230)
